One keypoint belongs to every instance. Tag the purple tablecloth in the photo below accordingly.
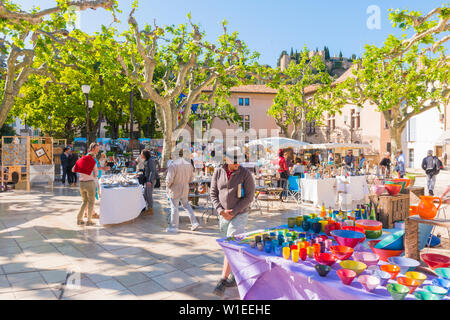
(263, 276)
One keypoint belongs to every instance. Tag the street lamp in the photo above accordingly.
(50, 118)
(86, 89)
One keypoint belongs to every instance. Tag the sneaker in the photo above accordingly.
(195, 226)
(90, 223)
(81, 223)
(172, 230)
(230, 282)
(219, 290)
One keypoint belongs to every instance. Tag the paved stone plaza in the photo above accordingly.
(40, 241)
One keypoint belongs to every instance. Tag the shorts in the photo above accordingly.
(233, 227)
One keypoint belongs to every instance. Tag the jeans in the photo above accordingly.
(431, 180)
(233, 227)
(87, 190)
(65, 172)
(148, 195)
(174, 213)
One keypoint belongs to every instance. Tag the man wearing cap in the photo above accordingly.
(232, 192)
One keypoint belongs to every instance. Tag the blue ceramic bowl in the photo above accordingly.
(405, 264)
(443, 273)
(438, 291)
(443, 283)
(383, 276)
(392, 242)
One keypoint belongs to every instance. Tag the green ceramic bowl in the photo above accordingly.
(397, 291)
(373, 234)
(425, 295)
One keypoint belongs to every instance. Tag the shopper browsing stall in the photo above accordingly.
(232, 192)
(150, 179)
(179, 175)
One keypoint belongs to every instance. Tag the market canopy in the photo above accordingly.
(277, 143)
(336, 146)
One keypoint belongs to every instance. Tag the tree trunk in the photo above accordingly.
(396, 139)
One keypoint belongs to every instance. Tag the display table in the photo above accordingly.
(121, 204)
(324, 191)
(263, 276)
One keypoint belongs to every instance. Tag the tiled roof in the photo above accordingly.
(251, 88)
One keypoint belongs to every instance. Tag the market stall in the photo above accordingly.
(263, 274)
(121, 200)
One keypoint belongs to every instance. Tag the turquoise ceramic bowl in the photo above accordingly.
(425, 295)
(438, 291)
(392, 242)
(443, 283)
(443, 273)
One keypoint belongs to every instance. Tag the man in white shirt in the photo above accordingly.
(179, 175)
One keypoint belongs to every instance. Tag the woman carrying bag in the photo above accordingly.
(283, 171)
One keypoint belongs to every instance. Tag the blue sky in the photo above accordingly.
(268, 26)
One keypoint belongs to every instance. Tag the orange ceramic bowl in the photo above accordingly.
(410, 283)
(384, 254)
(393, 189)
(341, 252)
(392, 269)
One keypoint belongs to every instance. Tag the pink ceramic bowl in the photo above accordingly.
(369, 282)
(369, 258)
(378, 189)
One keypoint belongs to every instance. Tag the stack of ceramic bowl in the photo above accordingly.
(373, 229)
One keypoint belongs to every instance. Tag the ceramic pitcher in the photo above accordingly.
(426, 208)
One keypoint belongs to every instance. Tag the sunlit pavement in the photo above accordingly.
(40, 242)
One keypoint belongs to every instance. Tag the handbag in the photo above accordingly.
(141, 177)
(158, 182)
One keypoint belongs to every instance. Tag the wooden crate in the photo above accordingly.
(415, 193)
(392, 208)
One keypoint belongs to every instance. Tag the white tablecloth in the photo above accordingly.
(325, 190)
(319, 191)
(119, 205)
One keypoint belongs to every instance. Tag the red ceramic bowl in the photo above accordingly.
(346, 275)
(341, 252)
(325, 258)
(330, 227)
(393, 189)
(383, 253)
(434, 260)
(348, 238)
(357, 229)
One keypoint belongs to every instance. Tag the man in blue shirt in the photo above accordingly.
(65, 165)
(349, 159)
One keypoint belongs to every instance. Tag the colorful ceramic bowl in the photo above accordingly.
(438, 291)
(346, 276)
(347, 237)
(410, 283)
(383, 276)
(393, 189)
(369, 224)
(370, 234)
(425, 295)
(325, 258)
(434, 260)
(392, 242)
(322, 269)
(405, 264)
(356, 266)
(330, 227)
(384, 254)
(443, 283)
(390, 268)
(397, 291)
(378, 189)
(369, 282)
(354, 228)
(443, 273)
(368, 258)
(418, 276)
(341, 252)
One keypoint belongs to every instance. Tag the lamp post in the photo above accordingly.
(86, 89)
(50, 118)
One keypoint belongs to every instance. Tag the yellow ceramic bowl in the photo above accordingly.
(416, 276)
(356, 266)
